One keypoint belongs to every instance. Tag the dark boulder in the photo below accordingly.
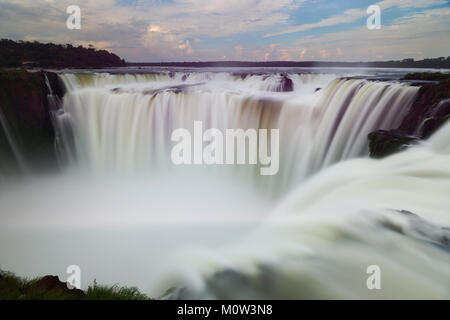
(286, 84)
(56, 85)
(430, 104)
(430, 110)
(52, 285)
(383, 143)
(241, 75)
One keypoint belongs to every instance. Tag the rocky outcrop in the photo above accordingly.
(429, 111)
(286, 84)
(384, 143)
(52, 285)
(26, 124)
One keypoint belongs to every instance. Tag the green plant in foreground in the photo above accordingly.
(16, 288)
(101, 292)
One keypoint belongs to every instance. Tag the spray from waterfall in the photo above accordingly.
(209, 232)
(319, 242)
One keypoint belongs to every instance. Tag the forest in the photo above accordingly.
(48, 55)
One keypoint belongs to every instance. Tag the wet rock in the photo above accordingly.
(241, 75)
(233, 284)
(286, 84)
(26, 112)
(55, 84)
(406, 213)
(430, 110)
(384, 143)
(431, 103)
(435, 117)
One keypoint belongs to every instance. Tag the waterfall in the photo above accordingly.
(124, 122)
(319, 242)
(310, 231)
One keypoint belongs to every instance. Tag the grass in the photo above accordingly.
(13, 287)
(99, 292)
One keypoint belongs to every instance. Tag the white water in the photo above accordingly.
(126, 215)
(322, 238)
(124, 122)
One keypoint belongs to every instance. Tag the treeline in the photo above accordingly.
(437, 63)
(441, 62)
(49, 55)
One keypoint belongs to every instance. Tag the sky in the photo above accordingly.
(244, 30)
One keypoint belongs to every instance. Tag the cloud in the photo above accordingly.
(153, 29)
(348, 16)
(238, 52)
(386, 4)
(192, 30)
(352, 15)
(420, 35)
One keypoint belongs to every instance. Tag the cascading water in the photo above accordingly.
(319, 243)
(124, 122)
(213, 232)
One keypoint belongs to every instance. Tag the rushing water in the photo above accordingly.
(123, 212)
(124, 122)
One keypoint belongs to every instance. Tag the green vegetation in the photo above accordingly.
(50, 288)
(48, 55)
(384, 143)
(98, 292)
(427, 76)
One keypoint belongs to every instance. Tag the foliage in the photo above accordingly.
(427, 76)
(100, 292)
(16, 288)
(48, 55)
